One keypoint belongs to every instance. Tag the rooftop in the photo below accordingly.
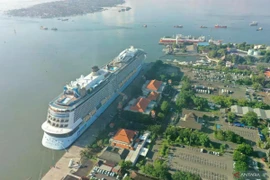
(137, 176)
(113, 155)
(153, 96)
(267, 73)
(125, 135)
(141, 104)
(240, 111)
(154, 85)
(189, 119)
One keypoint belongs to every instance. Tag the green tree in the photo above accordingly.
(127, 178)
(160, 116)
(265, 131)
(204, 140)
(159, 169)
(222, 147)
(241, 166)
(155, 129)
(86, 153)
(238, 156)
(245, 149)
(212, 54)
(100, 143)
(200, 103)
(181, 175)
(231, 117)
(163, 77)
(164, 106)
(125, 165)
(219, 135)
(250, 118)
(257, 86)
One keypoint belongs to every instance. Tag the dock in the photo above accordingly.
(61, 169)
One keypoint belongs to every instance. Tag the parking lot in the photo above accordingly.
(208, 166)
(100, 174)
(249, 134)
(191, 159)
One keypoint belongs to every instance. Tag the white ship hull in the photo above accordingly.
(55, 143)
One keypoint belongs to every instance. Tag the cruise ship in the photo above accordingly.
(84, 100)
(179, 38)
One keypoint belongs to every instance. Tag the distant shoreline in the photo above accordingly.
(64, 8)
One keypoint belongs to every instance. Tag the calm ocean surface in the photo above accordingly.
(35, 64)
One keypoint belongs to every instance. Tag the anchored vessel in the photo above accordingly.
(84, 100)
(219, 26)
(178, 26)
(254, 23)
(179, 38)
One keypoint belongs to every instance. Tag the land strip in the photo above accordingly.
(64, 8)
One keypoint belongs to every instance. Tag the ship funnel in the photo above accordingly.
(95, 70)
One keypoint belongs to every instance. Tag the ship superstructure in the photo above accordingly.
(82, 101)
(179, 38)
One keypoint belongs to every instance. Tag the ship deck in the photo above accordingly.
(54, 103)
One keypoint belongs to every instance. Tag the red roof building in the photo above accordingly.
(140, 105)
(124, 138)
(154, 85)
(267, 74)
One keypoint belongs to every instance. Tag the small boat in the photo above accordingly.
(121, 10)
(128, 8)
(54, 29)
(178, 26)
(253, 23)
(203, 27)
(145, 25)
(260, 29)
(64, 19)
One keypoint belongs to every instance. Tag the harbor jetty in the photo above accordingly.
(64, 8)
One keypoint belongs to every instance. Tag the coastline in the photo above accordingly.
(64, 8)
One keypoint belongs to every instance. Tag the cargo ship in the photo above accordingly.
(85, 99)
(179, 38)
(219, 26)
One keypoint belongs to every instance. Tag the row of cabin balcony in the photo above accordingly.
(57, 125)
(57, 119)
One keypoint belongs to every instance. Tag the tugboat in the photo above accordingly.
(254, 23)
(54, 29)
(178, 26)
(203, 27)
(260, 29)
